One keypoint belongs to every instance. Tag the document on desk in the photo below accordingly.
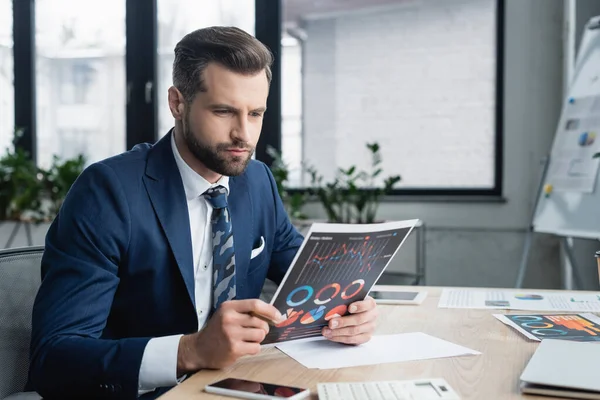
(520, 300)
(583, 327)
(324, 354)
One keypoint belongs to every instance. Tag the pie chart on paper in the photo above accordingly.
(290, 317)
(336, 312)
(312, 315)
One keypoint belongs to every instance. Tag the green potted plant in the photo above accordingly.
(20, 185)
(352, 196)
(29, 194)
(57, 181)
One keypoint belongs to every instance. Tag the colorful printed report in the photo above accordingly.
(336, 265)
(576, 327)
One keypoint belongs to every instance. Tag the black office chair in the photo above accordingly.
(20, 278)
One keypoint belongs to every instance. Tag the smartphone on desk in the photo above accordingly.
(245, 389)
(398, 297)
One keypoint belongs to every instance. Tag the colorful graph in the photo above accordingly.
(333, 270)
(575, 323)
(313, 315)
(362, 253)
(297, 333)
(336, 312)
(331, 290)
(290, 316)
(558, 326)
(587, 139)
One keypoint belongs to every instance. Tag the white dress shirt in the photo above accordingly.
(159, 362)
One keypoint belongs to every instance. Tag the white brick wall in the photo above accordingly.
(418, 78)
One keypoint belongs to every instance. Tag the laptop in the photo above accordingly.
(563, 368)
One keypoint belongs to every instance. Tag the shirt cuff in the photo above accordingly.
(159, 363)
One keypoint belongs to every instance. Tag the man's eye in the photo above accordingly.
(256, 114)
(222, 112)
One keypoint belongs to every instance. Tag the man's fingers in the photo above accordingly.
(248, 321)
(258, 308)
(246, 348)
(353, 320)
(350, 330)
(362, 306)
(252, 335)
(355, 340)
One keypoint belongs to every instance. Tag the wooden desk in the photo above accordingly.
(492, 375)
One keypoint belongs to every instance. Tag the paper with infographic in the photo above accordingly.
(521, 299)
(576, 327)
(336, 265)
(573, 168)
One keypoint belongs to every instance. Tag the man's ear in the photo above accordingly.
(176, 103)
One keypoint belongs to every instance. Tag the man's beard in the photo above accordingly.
(214, 157)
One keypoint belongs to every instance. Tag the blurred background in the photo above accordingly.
(447, 106)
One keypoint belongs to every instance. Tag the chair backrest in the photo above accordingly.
(20, 278)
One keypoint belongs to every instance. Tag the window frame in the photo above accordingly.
(141, 77)
(444, 194)
(141, 121)
(24, 75)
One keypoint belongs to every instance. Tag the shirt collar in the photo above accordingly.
(193, 183)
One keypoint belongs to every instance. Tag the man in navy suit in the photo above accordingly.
(155, 263)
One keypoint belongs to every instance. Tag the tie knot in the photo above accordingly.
(216, 196)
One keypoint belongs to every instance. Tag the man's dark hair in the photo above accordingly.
(230, 47)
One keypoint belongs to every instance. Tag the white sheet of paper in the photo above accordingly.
(519, 300)
(324, 354)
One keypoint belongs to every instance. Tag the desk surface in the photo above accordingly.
(492, 375)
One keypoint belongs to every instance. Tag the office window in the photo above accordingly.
(76, 81)
(418, 77)
(176, 18)
(74, 142)
(7, 110)
(291, 105)
(80, 77)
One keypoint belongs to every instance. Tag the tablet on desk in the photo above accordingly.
(398, 297)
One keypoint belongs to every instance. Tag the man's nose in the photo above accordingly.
(241, 132)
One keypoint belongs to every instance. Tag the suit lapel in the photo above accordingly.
(165, 189)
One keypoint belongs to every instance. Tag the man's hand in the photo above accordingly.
(355, 328)
(235, 330)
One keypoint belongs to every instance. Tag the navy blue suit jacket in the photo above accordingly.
(117, 269)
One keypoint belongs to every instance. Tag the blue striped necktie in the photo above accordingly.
(223, 252)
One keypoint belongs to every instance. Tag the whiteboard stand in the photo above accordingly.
(530, 230)
(572, 211)
(571, 267)
(566, 243)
